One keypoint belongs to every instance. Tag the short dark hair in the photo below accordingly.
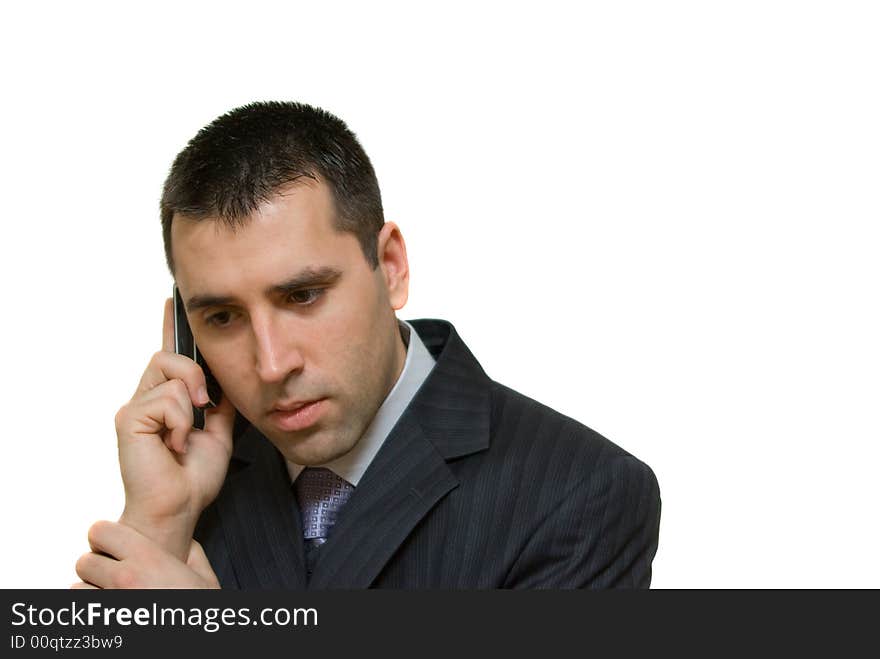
(244, 157)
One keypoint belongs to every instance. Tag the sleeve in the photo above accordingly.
(602, 533)
(208, 533)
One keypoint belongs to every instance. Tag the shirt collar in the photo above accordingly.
(416, 368)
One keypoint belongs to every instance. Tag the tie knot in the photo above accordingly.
(320, 494)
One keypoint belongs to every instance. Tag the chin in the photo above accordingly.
(316, 449)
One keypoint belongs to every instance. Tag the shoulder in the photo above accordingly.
(555, 446)
(585, 510)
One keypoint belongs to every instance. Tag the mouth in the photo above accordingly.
(297, 415)
(292, 407)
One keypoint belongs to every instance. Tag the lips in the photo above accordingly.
(291, 407)
(298, 415)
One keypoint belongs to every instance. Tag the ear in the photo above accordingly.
(395, 268)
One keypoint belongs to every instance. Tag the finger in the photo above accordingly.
(165, 366)
(165, 410)
(202, 446)
(198, 562)
(172, 407)
(168, 326)
(102, 538)
(117, 541)
(82, 585)
(220, 421)
(96, 569)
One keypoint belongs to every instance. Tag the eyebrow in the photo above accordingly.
(310, 276)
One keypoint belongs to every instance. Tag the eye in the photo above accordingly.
(221, 319)
(306, 296)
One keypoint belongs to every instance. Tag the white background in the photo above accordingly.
(660, 218)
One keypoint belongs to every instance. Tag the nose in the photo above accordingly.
(277, 355)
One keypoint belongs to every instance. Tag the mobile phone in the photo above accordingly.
(185, 344)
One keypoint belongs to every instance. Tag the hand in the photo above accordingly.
(123, 558)
(171, 471)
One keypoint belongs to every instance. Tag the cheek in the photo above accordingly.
(351, 345)
(238, 385)
(234, 370)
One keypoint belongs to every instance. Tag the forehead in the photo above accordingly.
(292, 230)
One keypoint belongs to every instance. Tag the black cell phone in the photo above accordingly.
(185, 344)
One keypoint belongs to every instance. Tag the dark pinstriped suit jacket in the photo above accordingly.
(476, 486)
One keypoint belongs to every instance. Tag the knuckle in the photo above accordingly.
(96, 531)
(121, 416)
(170, 403)
(182, 431)
(181, 420)
(174, 423)
(82, 564)
(125, 577)
(178, 388)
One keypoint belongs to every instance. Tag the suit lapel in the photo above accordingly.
(404, 481)
(448, 417)
(259, 516)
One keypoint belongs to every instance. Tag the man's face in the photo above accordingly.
(286, 310)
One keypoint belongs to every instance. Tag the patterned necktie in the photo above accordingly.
(320, 494)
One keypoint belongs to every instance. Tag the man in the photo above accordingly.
(349, 449)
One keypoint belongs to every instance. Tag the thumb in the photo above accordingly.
(198, 563)
(208, 453)
(220, 420)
